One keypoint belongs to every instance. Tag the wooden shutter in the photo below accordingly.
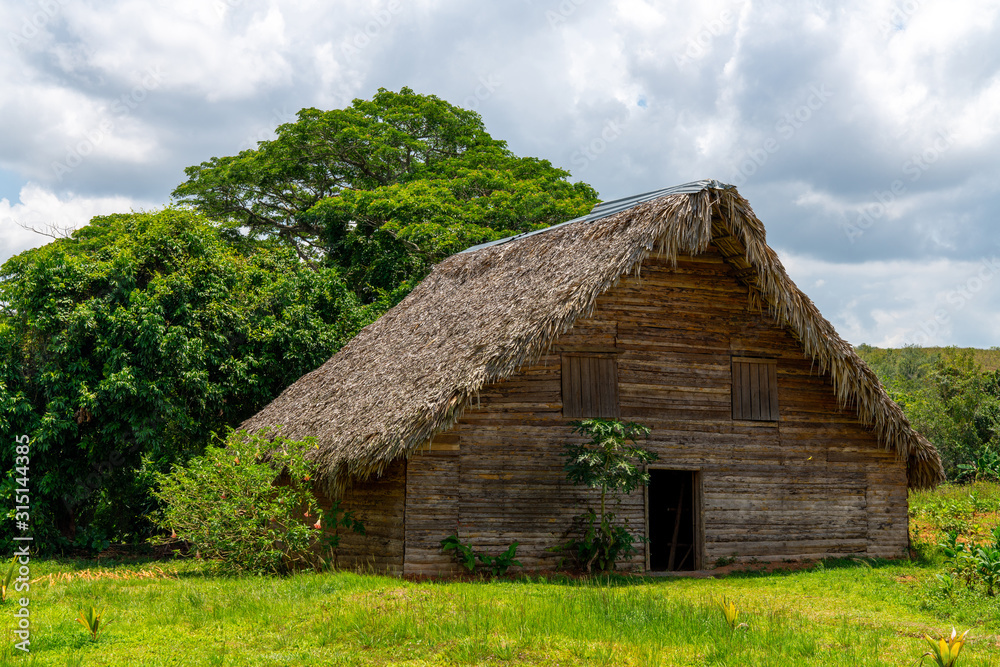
(590, 387)
(755, 389)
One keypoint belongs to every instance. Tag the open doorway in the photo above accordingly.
(671, 515)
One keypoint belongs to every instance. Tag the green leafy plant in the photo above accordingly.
(8, 579)
(234, 505)
(971, 563)
(499, 564)
(947, 583)
(729, 612)
(945, 651)
(602, 542)
(985, 466)
(959, 558)
(90, 618)
(987, 562)
(611, 461)
(467, 557)
(463, 553)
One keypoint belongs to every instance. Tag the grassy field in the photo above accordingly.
(849, 612)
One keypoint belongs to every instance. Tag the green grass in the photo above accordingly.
(848, 612)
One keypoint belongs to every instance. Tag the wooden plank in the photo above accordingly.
(589, 386)
(609, 388)
(600, 389)
(754, 391)
(735, 385)
(745, 409)
(615, 384)
(585, 387)
(570, 382)
(772, 385)
(764, 392)
(379, 505)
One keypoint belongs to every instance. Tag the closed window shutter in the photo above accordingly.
(590, 387)
(755, 389)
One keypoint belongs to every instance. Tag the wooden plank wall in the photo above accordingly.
(812, 484)
(379, 505)
(432, 505)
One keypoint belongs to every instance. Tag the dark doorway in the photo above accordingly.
(671, 514)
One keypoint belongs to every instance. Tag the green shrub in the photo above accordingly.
(497, 565)
(611, 461)
(227, 505)
(972, 563)
(463, 553)
(602, 542)
(984, 466)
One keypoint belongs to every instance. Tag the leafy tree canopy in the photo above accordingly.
(123, 347)
(947, 396)
(384, 188)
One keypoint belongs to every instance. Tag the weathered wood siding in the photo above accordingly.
(812, 484)
(379, 505)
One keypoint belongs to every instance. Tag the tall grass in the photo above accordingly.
(845, 612)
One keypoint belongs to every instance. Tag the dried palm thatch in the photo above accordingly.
(481, 315)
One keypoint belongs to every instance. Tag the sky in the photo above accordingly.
(865, 134)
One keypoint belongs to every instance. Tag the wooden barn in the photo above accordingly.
(449, 414)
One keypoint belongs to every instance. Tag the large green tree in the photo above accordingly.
(124, 347)
(384, 188)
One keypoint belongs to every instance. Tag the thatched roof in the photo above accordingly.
(484, 313)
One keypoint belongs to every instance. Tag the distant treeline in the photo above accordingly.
(952, 396)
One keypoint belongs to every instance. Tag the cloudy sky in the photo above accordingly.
(864, 133)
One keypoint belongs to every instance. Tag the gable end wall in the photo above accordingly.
(814, 484)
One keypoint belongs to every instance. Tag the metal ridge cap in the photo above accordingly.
(609, 208)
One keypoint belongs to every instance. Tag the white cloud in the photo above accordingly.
(696, 90)
(894, 303)
(44, 210)
(197, 46)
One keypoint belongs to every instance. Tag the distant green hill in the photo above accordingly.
(952, 396)
(988, 359)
